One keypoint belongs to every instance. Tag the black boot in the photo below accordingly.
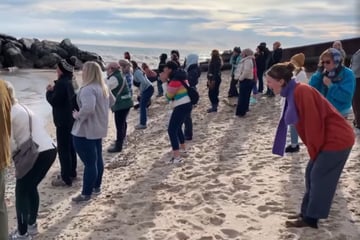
(116, 148)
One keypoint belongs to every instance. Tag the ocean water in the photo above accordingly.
(147, 55)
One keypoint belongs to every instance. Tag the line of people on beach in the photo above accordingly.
(316, 112)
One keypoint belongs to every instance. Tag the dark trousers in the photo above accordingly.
(245, 89)
(26, 193)
(261, 81)
(188, 130)
(356, 104)
(67, 154)
(144, 100)
(321, 178)
(214, 93)
(121, 126)
(178, 116)
(90, 153)
(233, 92)
(159, 87)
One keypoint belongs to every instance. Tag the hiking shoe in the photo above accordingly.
(33, 229)
(16, 236)
(96, 191)
(58, 182)
(81, 198)
(291, 149)
(140, 126)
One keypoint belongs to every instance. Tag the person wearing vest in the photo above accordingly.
(123, 103)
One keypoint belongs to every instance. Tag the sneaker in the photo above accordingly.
(33, 229)
(96, 191)
(252, 100)
(58, 182)
(291, 149)
(140, 126)
(16, 236)
(176, 160)
(81, 198)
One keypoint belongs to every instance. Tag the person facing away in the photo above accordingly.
(334, 81)
(150, 74)
(174, 78)
(298, 60)
(123, 103)
(234, 61)
(260, 59)
(127, 73)
(326, 134)
(28, 176)
(162, 63)
(214, 80)
(146, 92)
(61, 98)
(90, 127)
(193, 74)
(274, 58)
(5, 130)
(355, 67)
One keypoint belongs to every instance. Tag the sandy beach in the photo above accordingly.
(230, 186)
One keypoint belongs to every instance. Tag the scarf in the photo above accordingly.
(289, 116)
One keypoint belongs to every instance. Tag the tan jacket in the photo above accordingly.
(5, 126)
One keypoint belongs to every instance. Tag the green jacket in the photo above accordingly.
(123, 99)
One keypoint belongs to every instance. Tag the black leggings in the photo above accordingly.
(26, 193)
(121, 125)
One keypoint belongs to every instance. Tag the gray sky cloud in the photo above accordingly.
(187, 24)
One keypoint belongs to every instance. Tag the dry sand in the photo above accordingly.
(229, 187)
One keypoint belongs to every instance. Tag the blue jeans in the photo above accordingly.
(90, 153)
(294, 135)
(145, 97)
(178, 116)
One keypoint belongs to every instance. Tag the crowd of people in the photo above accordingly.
(316, 110)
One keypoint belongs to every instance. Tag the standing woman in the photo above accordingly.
(298, 60)
(162, 63)
(245, 75)
(214, 79)
(30, 175)
(146, 91)
(176, 93)
(60, 96)
(326, 134)
(123, 103)
(127, 73)
(90, 126)
(334, 81)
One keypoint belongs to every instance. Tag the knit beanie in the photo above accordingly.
(67, 65)
(298, 60)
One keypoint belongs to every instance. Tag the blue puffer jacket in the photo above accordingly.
(340, 92)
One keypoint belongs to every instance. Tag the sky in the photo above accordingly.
(182, 24)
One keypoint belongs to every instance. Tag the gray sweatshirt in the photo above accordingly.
(93, 118)
(141, 78)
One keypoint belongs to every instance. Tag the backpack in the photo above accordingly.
(192, 92)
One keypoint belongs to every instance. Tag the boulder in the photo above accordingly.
(26, 42)
(47, 61)
(13, 55)
(70, 48)
(8, 37)
(43, 48)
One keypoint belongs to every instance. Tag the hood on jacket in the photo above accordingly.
(191, 59)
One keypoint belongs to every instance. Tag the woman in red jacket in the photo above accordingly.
(325, 133)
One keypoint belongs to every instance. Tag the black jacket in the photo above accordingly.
(193, 74)
(62, 101)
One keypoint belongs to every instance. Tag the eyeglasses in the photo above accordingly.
(326, 62)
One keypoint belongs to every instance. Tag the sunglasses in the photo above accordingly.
(326, 62)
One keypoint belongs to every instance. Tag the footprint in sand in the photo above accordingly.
(216, 221)
(206, 238)
(230, 233)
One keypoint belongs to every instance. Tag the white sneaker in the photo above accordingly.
(176, 160)
(16, 236)
(33, 229)
(183, 153)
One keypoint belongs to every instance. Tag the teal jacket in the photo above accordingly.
(340, 92)
(234, 61)
(123, 100)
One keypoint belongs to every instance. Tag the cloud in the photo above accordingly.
(191, 24)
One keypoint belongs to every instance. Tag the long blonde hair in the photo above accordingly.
(11, 90)
(92, 74)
